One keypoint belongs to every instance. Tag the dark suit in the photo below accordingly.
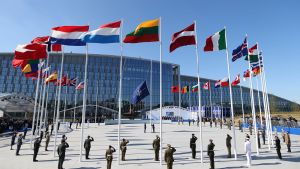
(169, 157)
(61, 151)
(228, 145)
(19, 144)
(87, 146)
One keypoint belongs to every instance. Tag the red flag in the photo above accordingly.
(19, 63)
(225, 82)
(45, 40)
(247, 73)
(183, 38)
(206, 86)
(236, 80)
(31, 51)
(63, 81)
(175, 89)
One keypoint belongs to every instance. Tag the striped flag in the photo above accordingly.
(236, 80)
(68, 35)
(80, 86)
(216, 42)
(183, 38)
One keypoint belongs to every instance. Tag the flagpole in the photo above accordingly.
(252, 105)
(55, 104)
(189, 96)
(222, 118)
(66, 93)
(179, 93)
(35, 105)
(151, 94)
(74, 117)
(44, 94)
(58, 98)
(258, 97)
(120, 89)
(231, 99)
(160, 91)
(242, 101)
(46, 107)
(199, 95)
(39, 110)
(211, 110)
(96, 109)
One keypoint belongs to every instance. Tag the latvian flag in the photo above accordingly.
(216, 42)
(183, 38)
(80, 86)
(206, 86)
(68, 35)
(236, 80)
(108, 33)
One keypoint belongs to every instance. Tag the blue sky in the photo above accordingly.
(274, 24)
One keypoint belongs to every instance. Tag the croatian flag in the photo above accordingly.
(68, 35)
(108, 33)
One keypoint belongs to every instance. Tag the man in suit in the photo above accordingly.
(211, 153)
(19, 144)
(278, 147)
(228, 145)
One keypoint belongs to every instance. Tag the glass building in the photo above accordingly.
(103, 85)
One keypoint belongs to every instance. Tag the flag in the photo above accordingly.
(31, 66)
(80, 86)
(185, 89)
(63, 81)
(52, 77)
(256, 70)
(145, 32)
(206, 86)
(175, 89)
(195, 88)
(68, 35)
(246, 73)
(253, 54)
(236, 81)
(240, 51)
(72, 82)
(19, 63)
(108, 33)
(30, 51)
(183, 38)
(218, 84)
(216, 42)
(225, 82)
(45, 40)
(140, 93)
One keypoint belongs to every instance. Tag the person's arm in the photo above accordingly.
(67, 145)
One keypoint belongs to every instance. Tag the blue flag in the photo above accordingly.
(140, 93)
(240, 51)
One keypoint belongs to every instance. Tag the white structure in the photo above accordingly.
(172, 111)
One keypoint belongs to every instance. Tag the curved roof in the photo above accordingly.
(11, 102)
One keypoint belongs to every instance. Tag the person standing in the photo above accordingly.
(221, 123)
(247, 147)
(228, 145)
(19, 144)
(41, 135)
(210, 123)
(52, 128)
(189, 122)
(216, 122)
(278, 147)
(47, 141)
(258, 140)
(250, 129)
(263, 134)
(283, 135)
(288, 141)
(211, 153)
(109, 155)
(61, 151)
(87, 146)
(156, 147)
(153, 128)
(13, 138)
(25, 132)
(169, 159)
(193, 145)
(36, 147)
(123, 147)
(145, 127)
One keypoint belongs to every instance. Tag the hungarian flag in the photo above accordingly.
(236, 80)
(45, 40)
(218, 84)
(206, 86)
(216, 42)
(183, 38)
(195, 88)
(145, 32)
(185, 89)
(175, 89)
(80, 86)
(31, 51)
(253, 54)
(52, 77)
(225, 82)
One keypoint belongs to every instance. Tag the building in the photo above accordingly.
(103, 85)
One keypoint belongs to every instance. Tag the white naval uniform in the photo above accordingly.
(248, 152)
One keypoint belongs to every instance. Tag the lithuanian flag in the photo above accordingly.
(145, 32)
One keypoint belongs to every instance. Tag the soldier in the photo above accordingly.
(169, 156)
(228, 145)
(36, 147)
(193, 145)
(13, 138)
(288, 141)
(19, 144)
(123, 148)
(189, 122)
(25, 132)
(41, 135)
(156, 146)
(145, 127)
(263, 134)
(61, 151)
(47, 141)
(211, 153)
(109, 155)
(250, 129)
(240, 125)
(258, 140)
(52, 128)
(278, 147)
(153, 128)
(87, 146)
(248, 151)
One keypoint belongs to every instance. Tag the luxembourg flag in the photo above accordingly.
(108, 33)
(68, 35)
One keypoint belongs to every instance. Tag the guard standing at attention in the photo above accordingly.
(87, 146)
(278, 147)
(109, 155)
(228, 145)
(47, 140)
(61, 151)
(193, 145)
(13, 138)
(19, 144)
(211, 153)
(169, 156)
(156, 147)
(123, 148)
(36, 147)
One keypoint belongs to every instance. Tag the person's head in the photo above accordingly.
(210, 140)
(88, 137)
(168, 145)
(63, 136)
(157, 136)
(109, 146)
(123, 139)
(228, 135)
(20, 134)
(247, 138)
(193, 135)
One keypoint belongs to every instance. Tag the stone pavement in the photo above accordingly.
(140, 154)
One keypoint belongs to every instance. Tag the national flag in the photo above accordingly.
(240, 51)
(218, 84)
(72, 82)
(30, 51)
(256, 70)
(216, 42)
(252, 54)
(68, 35)
(225, 82)
(206, 86)
(145, 32)
(52, 77)
(31, 66)
(45, 40)
(236, 81)
(183, 38)
(108, 33)
(80, 86)
(195, 88)
(246, 73)
(63, 81)
(185, 89)
(140, 93)
(175, 89)
(19, 63)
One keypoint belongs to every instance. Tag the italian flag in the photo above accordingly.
(216, 42)
(195, 88)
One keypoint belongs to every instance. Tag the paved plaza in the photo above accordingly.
(140, 154)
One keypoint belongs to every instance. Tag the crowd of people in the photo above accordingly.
(10, 124)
